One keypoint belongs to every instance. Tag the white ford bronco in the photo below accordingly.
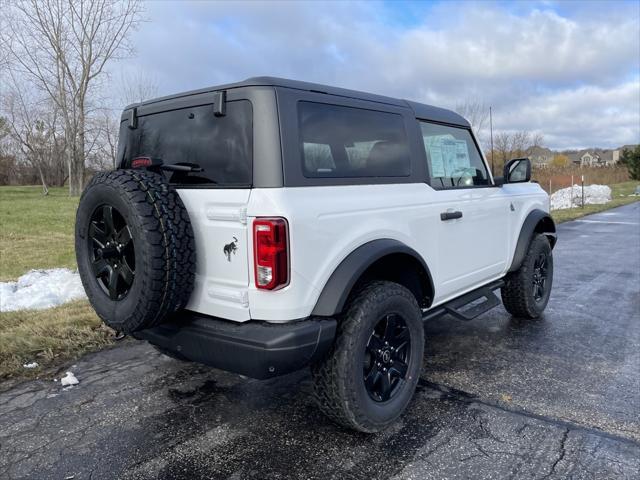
(267, 225)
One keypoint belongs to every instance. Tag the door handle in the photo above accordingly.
(444, 216)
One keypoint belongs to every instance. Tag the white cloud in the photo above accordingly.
(573, 75)
(587, 116)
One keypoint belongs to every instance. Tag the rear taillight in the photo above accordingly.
(271, 253)
(141, 162)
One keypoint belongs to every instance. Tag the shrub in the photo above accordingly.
(631, 159)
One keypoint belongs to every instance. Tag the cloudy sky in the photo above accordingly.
(570, 70)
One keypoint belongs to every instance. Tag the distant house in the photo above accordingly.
(594, 157)
(591, 157)
(540, 156)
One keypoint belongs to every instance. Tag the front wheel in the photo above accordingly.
(371, 373)
(526, 291)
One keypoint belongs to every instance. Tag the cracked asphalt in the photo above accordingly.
(499, 398)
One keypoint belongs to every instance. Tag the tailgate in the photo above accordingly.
(219, 220)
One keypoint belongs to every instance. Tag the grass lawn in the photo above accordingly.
(619, 196)
(36, 232)
(48, 337)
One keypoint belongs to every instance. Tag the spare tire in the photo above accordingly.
(135, 248)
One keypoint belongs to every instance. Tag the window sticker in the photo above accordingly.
(448, 155)
(460, 157)
(437, 160)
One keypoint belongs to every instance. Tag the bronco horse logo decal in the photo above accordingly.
(230, 248)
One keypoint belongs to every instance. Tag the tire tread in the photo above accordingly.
(332, 391)
(169, 272)
(516, 292)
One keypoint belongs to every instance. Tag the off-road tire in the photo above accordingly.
(338, 385)
(165, 256)
(517, 293)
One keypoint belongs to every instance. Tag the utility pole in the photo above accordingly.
(493, 170)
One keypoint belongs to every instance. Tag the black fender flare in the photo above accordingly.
(336, 291)
(537, 221)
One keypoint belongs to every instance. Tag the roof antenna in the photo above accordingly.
(493, 170)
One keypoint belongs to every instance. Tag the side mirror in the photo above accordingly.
(517, 170)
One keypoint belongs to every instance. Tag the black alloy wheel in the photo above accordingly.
(368, 377)
(387, 357)
(540, 273)
(526, 291)
(111, 252)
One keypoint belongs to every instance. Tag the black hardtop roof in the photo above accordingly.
(421, 110)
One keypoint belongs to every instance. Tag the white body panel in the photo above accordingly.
(327, 223)
(219, 218)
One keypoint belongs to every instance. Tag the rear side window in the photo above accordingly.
(339, 142)
(221, 146)
(454, 160)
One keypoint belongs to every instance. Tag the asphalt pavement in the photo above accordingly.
(558, 397)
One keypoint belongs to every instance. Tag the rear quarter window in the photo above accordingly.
(344, 142)
(221, 146)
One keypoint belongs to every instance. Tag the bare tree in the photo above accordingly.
(137, 87)
(33, 124)
(106, 127)
(476, 113)
(63, 46)
(7, 153)
(508, 145)
(134, 88)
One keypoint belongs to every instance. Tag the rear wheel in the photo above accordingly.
(371, 373)
(526, 291)
(135, 249)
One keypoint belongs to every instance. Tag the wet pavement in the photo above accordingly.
(499, 398)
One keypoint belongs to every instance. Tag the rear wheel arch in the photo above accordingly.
(383, 259)
(537, 221)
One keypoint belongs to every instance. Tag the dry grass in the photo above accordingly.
(48, 337)
(619, 196)
(560, 177)
(36, 231)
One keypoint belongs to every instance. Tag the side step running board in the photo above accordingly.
(468, 306)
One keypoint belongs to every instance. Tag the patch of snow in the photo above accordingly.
(40, 289)
(572, 196)
(30, 365)
(69, 379)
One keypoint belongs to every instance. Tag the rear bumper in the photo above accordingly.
(255, 349)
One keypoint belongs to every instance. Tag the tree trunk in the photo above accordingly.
(76, 172)
(76, 166)
(45, 189)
